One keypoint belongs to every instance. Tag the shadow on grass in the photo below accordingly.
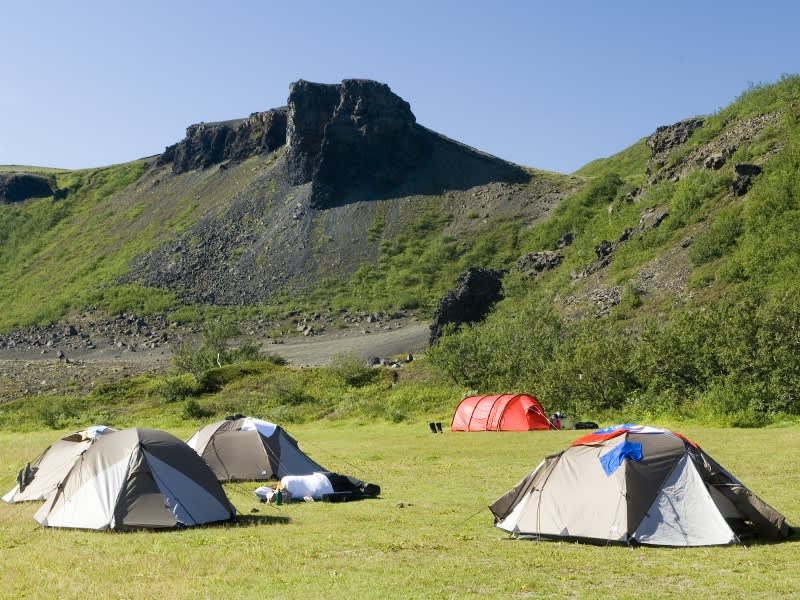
(251, 520)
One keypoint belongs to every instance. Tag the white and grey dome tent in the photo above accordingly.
(635, 484)
(133, 479)
(38, 479)
(241, 448)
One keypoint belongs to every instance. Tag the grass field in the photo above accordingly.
(428, 536)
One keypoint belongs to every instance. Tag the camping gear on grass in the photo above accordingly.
(325, 486)
(242, 448)
(637, 485)
(506, 412)
(133, 479)
(38, 479)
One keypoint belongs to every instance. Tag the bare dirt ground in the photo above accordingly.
(379, 343)
(59, 370)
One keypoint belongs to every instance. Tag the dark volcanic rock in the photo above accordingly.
(536, 262)
(311, 107)
(357, 131)
(566, 240)
(476, 291)
(16, 187)
(372, 138)
(207, 144)
(357, 140)
(744, 177)
(668, 137)
(346, 145)
(604, 248)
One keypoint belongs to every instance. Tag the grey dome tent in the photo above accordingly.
(634, 484)
(248, 449)
(38, 479)
(133, 479)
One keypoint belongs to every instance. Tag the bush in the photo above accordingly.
(352, 370)
(213, 380)
(722, 235)
(693, 193)
(214, 351)
(193, 410)
(175, 388)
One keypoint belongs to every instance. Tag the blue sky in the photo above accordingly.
(550, 84)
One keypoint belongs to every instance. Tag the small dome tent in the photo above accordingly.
(634, 484)
(134, 479)
(38, 479)
(242, 448)
(506, 412)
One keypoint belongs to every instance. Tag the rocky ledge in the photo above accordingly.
(17, 187)
(355, 140)
(208, 144)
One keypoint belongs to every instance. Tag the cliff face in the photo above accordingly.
(356, 134)
(208, 144)
(16, 187)
(356, 140)
(303, 208)
(311, 107)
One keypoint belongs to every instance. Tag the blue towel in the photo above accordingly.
(613, 459)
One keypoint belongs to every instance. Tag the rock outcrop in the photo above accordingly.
(744, 177)
(17, 187)
(712, 155)
(355, 140)
(354, 134)
(649, 219)
(536, 262)
(308, 206)
(476, 291)
(208, 144)
(668, 137)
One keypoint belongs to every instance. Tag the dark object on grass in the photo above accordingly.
(439, 428)
(586, 425)
(354, 488)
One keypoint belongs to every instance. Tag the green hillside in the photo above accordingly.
(705, 315)
(676, 295)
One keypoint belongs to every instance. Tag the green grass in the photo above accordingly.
(347, 390)
(439, 544)
(632, 161)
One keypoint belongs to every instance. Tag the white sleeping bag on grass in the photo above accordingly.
(300, 486)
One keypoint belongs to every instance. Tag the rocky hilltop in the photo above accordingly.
(208, 144)
(356, 140)
(298, 188)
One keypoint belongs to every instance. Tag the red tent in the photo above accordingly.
(507, 412)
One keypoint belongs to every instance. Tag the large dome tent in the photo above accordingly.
(240, 448)
(135, 479)
(504, 412)
(633, 484)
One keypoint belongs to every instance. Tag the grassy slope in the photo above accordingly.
(63, 255)
(441, 543)
(57, 256)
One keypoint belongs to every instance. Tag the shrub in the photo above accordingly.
(178, 387)
(692, 194)
(722, 235)
(193, 410)
(352, 370)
